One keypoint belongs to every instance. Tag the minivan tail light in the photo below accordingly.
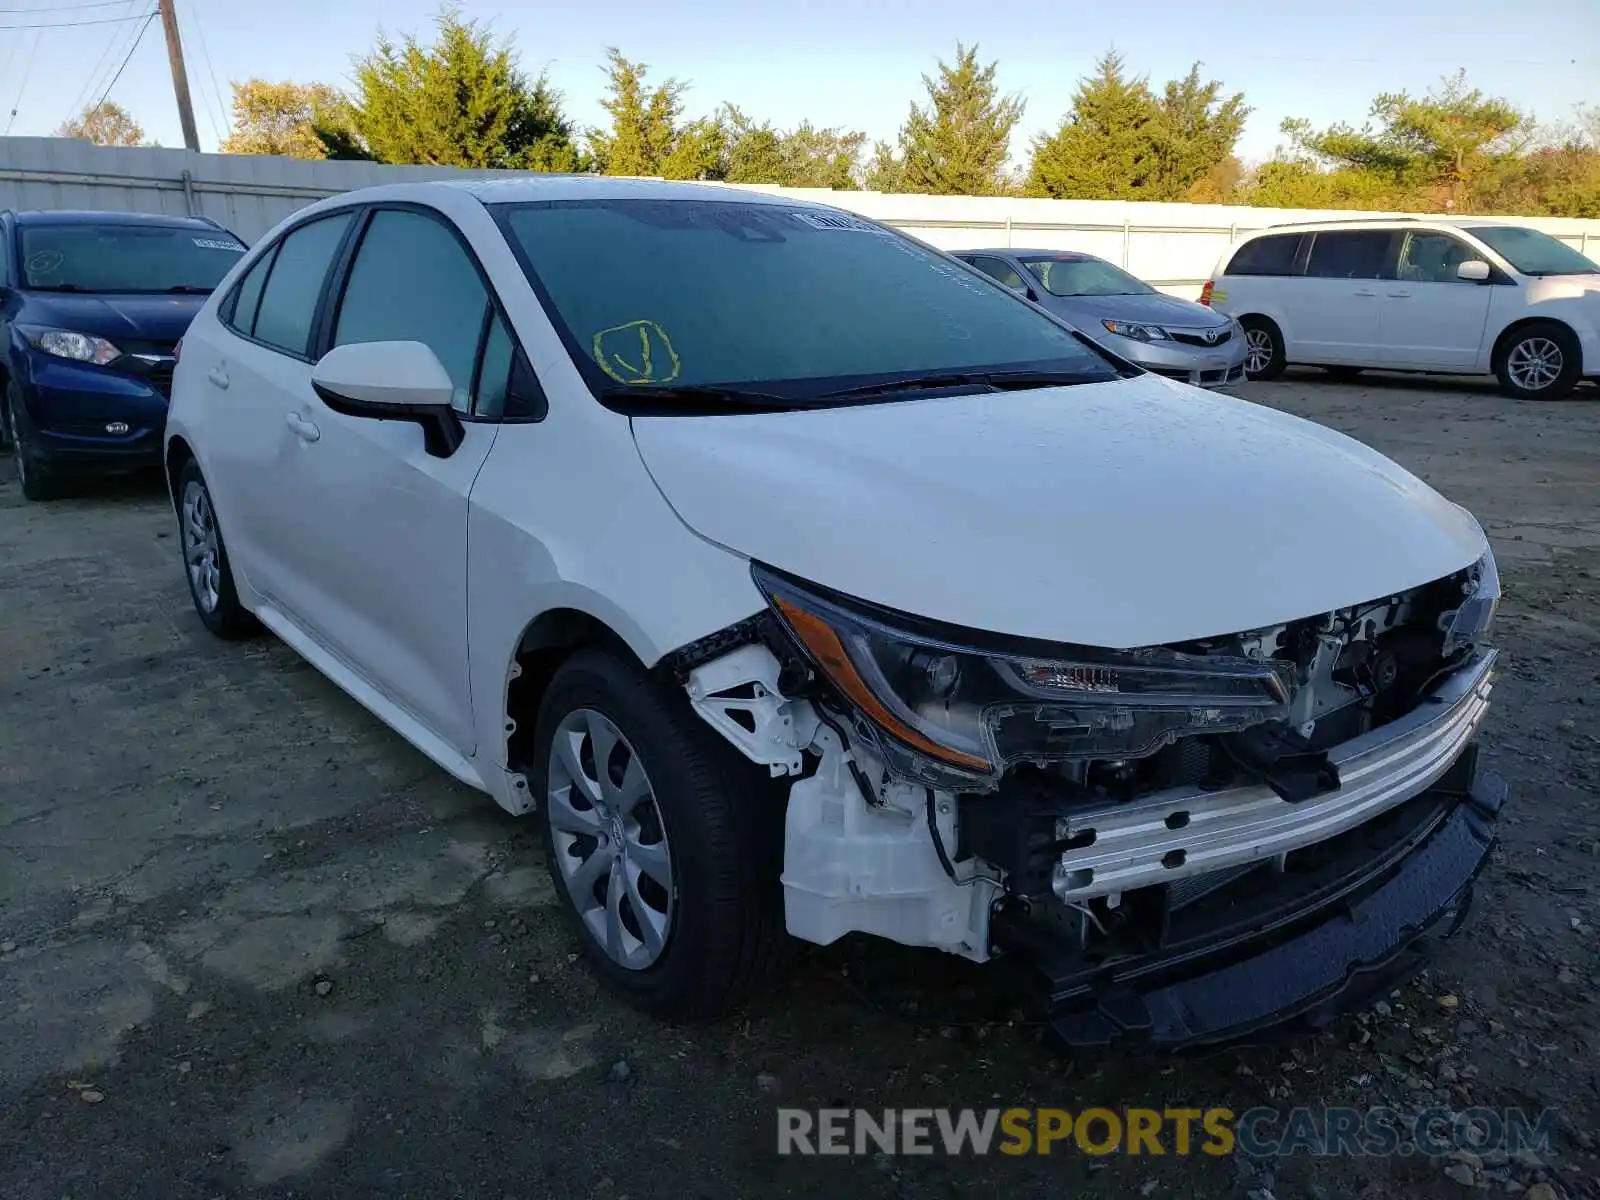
(1205, 292)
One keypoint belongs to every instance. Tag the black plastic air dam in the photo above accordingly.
(1362, 948)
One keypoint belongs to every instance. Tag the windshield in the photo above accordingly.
(1532, 252)
(126, 258)
(1069, 276)
(794, 303)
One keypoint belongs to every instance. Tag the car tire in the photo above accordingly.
(205, 560)
(1344, 374)
(38, 480)
(1540, 361)
(686, 919)
(1263, 356)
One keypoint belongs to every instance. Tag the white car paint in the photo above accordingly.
(1408, 324)
(1117, 515)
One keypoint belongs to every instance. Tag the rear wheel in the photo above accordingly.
(205, 560)
(1263, 348)
(664, 844)
(1540, 361)
(38, 480)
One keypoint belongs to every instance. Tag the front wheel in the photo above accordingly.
(1540, 361)
(1263, 348)
(39, 481)
(205, 560)
(664, 844)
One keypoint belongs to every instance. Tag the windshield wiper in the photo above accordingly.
(189, 289)
(691, 397)
(993, 380)
(55, 287)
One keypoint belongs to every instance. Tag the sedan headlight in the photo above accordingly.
(1471, 622)
(949, 713)
(1136, 331)
(67, 343)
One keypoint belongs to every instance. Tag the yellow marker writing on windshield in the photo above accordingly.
(635, 353)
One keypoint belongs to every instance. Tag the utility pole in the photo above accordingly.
(180, 77)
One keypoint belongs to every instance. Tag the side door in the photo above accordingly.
(1339, 299)
(382, 561)
(1433, 320)
(254, 370)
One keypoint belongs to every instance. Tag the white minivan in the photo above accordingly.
(1462, 297)
(803, 582)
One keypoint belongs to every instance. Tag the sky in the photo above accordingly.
(850, 63)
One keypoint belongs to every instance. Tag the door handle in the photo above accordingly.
(1364, 292)
(303, 429)
(218, 378)
(1399, 295)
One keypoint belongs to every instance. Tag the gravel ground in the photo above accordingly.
(251, 942)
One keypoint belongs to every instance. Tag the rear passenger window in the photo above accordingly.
(247, 296)
(412, 282)
(289, 300)
(1272, 255)
(1349, 254)
(1000, 272)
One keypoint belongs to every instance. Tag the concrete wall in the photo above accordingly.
(1173, 246)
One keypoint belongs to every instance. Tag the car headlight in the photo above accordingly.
(66, 343)
(1136, 331)
(951, 713)
(1472, 621)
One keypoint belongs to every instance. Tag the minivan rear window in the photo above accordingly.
(1272, 255)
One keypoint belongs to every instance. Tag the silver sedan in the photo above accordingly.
(1127, 316)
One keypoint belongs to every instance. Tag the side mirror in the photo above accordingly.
(1474, 270)
(392, 381)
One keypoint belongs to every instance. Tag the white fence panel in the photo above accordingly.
(1173, 246)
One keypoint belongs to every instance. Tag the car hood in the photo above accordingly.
(162, 318)
(1155, 310)
(1119, 514)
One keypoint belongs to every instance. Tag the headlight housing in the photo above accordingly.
(68, 343)
(1137, 331)
(1472, 621)
(956, 715)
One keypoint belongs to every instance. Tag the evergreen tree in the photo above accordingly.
(1106, 147)
(957, 143)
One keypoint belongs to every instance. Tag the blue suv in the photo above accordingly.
(92, 305)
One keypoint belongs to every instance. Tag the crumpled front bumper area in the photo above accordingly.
(1336, 942)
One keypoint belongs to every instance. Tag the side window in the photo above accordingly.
(494, 371)
(1272, 255)
(1433, 258)
(412, 281)
(999, 271)
(289, 300)
(1349, 254)
(247, 296)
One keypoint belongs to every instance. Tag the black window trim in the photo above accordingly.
(1297, 260)
(521, 371)
(1387, 268)
(354, 211)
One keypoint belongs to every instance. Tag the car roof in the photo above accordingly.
(93, 217)
(1340, 224)
(1026, 252)
(525, 188)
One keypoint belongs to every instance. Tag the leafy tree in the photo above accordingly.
(1287, 183)
(821, 158)
(461, 102)
(1122, 142)
(1447, 140)
(1106, 147)
(885, 170)
(645, 124)
(296, 120)
(755, 152)
(957, 143)
(106, 124)
(1196, 130)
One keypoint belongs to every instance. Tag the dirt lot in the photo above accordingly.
(250, 942)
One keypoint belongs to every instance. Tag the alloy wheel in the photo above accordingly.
(200, 554)
(1258, 351)
(1534, 363)
(609, 840)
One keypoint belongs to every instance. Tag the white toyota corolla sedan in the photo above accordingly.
(802, 581)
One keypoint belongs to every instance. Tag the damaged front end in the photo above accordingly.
(1186, 843)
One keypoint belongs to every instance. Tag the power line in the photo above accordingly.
(151, 16)
(27, 69)
(64, 7)
(205, 57)
(101, 65)
(69, 24)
